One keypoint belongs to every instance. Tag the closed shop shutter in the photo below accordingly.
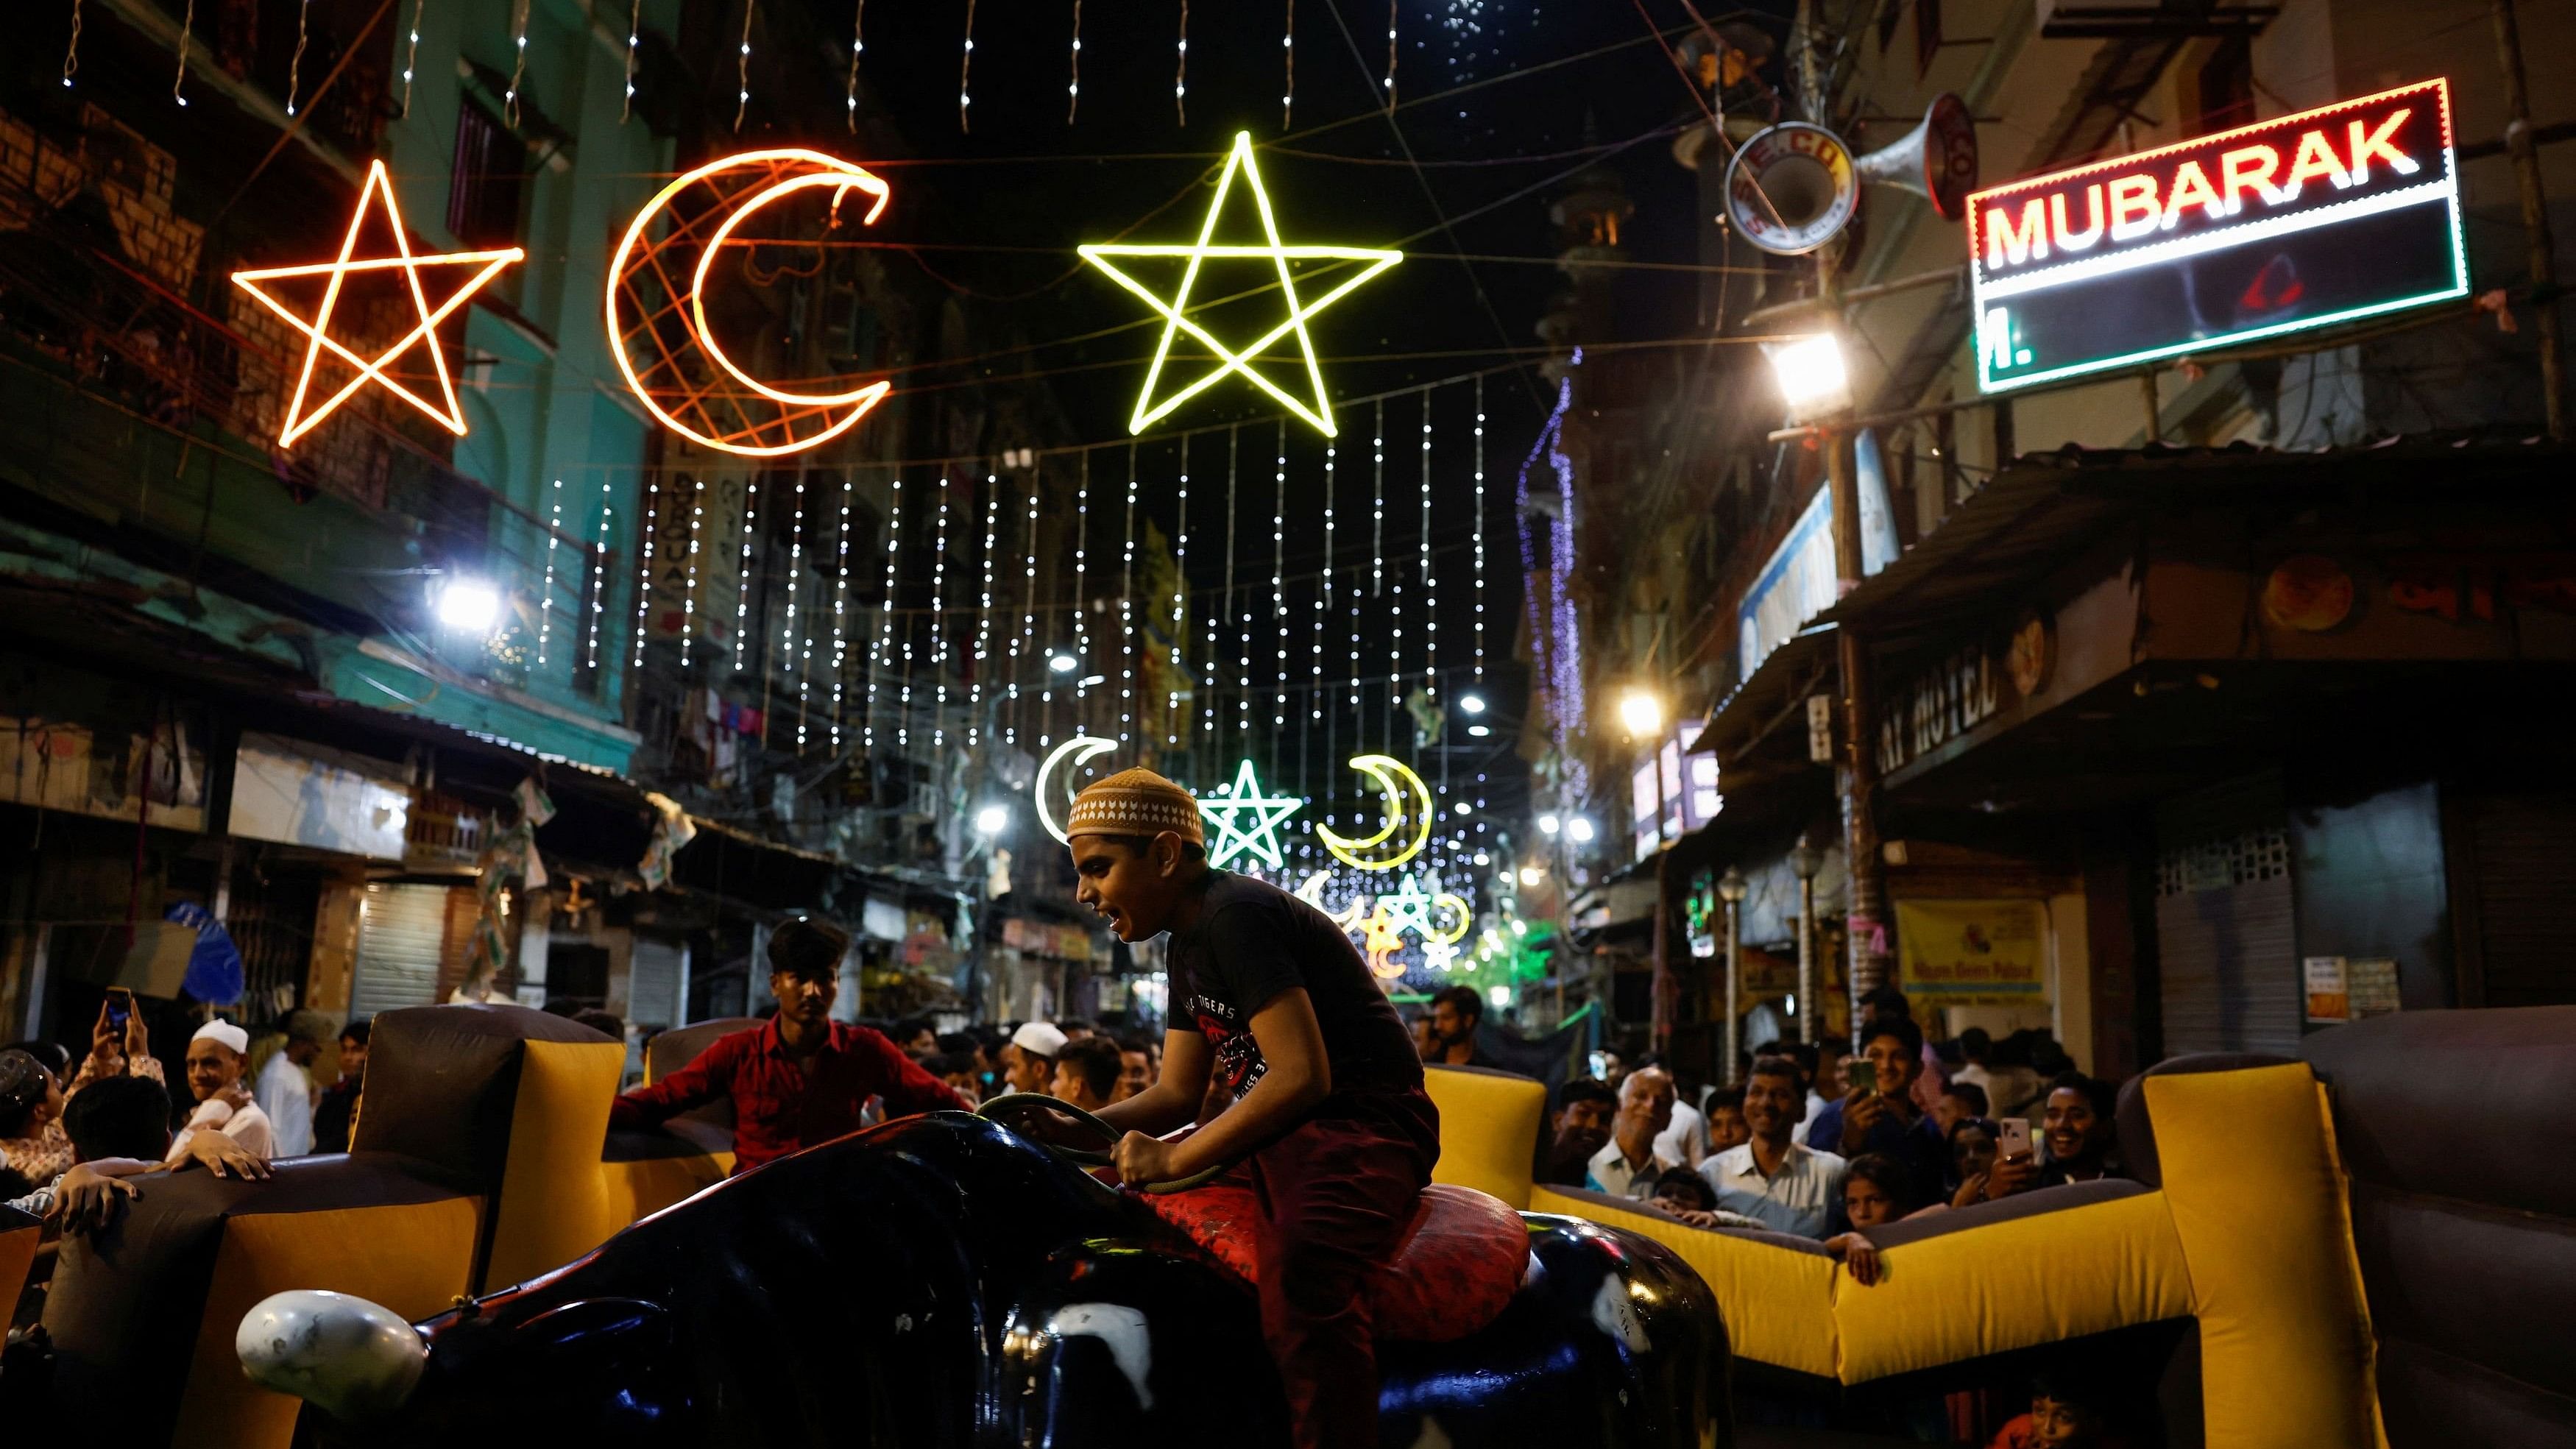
(653, 984)
(2227, 954)
(402, 935)
(2523, 846)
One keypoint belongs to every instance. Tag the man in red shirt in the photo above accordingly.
(800, 1079)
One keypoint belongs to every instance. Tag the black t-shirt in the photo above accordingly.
(1253, 941)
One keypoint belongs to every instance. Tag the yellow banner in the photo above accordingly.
(1973, 953)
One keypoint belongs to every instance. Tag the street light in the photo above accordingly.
(469, 605)
(1731, 889)
(1641, 713)
(992, 819)
(1580, 829)
(1804, 861)
(1812, 378)
(1549, 825)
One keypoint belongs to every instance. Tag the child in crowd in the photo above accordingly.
(1726, 1125)
(1681, 1190)
(2065, 1413)
(1877, 1190)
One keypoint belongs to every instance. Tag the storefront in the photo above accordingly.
(2168, 694)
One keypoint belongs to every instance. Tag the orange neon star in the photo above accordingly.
(452, 417)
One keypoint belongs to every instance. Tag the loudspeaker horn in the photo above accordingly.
(1794, 186)
(1937, 160)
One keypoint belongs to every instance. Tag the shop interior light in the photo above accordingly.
(992, 819)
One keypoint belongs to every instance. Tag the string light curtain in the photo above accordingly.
(742, 580)
(1279, 573)
(1081, 587)
(599, 575)
(71, 52)
(1323, 595)
(1288, 69)
(1073, 73)
(295, 62)
(1172, 719)
(966, 71)
(1181, 69)
(1025, 648)
(1242, 621)
(793, 646)
(634, 36)
(411, 54)
(187, 32)
(858, 48)
(518, 58)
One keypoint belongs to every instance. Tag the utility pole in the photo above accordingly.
(2535, 217)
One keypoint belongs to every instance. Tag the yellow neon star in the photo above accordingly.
(1176, 322)
(452, 417)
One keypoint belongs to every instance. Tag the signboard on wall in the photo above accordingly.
(1973, 953)
(2301, 221)
(296, 793)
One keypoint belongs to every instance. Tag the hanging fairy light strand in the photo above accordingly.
(1181, 69)
(984, 612)
(1024, 649)
(644, 567)
(546, 594)
(187, 31)
(938, 660)
(1323, 594)
(791, 645)
(742, 584)
(518, 59)
(1127, 648)
(1073, 75)
(1480, 535)
(1242, 621)
(1180, 588)
(742, 67)
(71, 52)
(295, 62)
(411, 55)
(1390, 52)
(1082, 582)
(858, 47)
(1430, 576)
(1288, 67)
(840, 613)
(881, 649)
(689, 589)
(634, 35)
(1279, 573)
(599, 576)
(966, 71)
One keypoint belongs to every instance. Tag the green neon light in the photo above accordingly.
(1987, 383)
(1234, 839)
(1174, 312)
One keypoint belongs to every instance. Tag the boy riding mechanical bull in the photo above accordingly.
(1323, 1088)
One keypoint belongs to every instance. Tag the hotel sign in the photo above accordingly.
(2298, 222)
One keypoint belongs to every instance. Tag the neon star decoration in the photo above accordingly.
(301, 419)
(1234, 839)
(1408, 818)
(1175, 313)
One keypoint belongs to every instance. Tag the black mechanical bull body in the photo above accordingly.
(940, 1283)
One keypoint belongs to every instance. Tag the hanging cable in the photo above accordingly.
(1288, 67)
(634, 36)
(411, 55)
(742, 67)
(71, 53)
(1073, 76)
(858, 47)
(1181, 69)
(966, 71)
(187, 29)
(295, 62)
(518, 58)
(1390, 53)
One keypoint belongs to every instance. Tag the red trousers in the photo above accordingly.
(1336, 1192)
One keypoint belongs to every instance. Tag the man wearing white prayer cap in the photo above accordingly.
(216, 1055)
(1028, 1062)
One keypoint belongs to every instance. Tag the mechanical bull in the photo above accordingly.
(941, 1282)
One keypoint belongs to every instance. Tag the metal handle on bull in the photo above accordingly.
(1084, 1156)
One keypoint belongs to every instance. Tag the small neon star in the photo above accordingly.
(299, 420)
(1408, 908)
(1260, 839)
(1175, 312)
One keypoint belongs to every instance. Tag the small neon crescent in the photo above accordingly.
(637, 269)
(1082, 748)
(1408, 801)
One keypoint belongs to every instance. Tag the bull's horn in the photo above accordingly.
(350, 1358)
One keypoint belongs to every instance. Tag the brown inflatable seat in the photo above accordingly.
(2456, 1131)
(475, 1165)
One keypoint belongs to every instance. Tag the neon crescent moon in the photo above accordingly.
(1082, 748)
(637, 279)
(1408, 800)
(1466, 918)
